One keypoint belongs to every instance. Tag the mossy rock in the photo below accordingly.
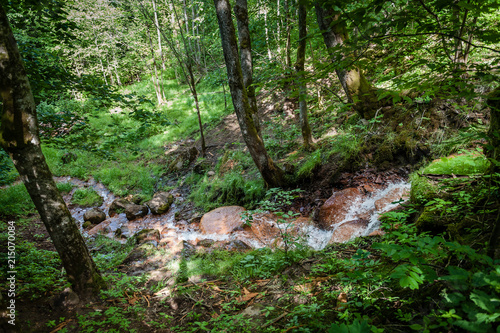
(423, 190)
(431, 220)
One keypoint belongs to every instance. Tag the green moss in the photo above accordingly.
(422, 189)
(430, 220)
(467, 164)
(87, 197)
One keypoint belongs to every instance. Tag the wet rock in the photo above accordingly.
(134, 211)
(377, 232)
(94, 216)
(206, 242)
(123, 232)
(393, 195)
(336, 208)
(222, 220)
(196, 218)
(101, 228)
(147, 235)
(188, 250)
(238, 245)
(118, 206)
(160, 203)
(348, 230)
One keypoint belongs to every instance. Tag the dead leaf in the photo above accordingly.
(247, 297)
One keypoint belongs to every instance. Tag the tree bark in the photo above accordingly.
(493, 154)
(357, 89)
(272, 174)
(301, 84)
(156, 80)
(241, 13)
(19, 137)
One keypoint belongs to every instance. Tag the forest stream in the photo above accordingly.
(354, 213)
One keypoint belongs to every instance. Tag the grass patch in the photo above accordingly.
(38, 273)
(87, 197)
(111, 252)
(65, 187)
(311, 163)
(15, 201)
(230, 189)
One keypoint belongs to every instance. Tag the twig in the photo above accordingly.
(275, 320)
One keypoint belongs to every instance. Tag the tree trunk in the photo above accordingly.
(288, 32)
(241, 13)
(358, 90)
(156, 80)
(272, 174)
(19, 137)
(159, 35)
(493, 154)
(300, 69)
(188, 62)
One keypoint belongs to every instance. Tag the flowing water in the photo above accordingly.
(173, 231)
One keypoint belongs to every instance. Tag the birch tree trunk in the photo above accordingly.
(300, 70)
(241, 13)
(19, 137)
(272, 174)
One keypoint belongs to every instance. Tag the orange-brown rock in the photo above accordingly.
(265, 229)
(336, 208)
(101, 228)
(222, 220)
(348, 230)
(392, 196)
(377, 232)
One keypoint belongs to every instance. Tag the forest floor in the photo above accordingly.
(351, 287)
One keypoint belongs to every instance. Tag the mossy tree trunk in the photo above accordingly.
(301, 84)
(241, 13)
(19, 137)
(493, 154)
(272, 174)
(357, 88)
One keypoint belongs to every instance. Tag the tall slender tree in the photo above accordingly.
(300, 72)
(272, 174)
(241, 13)
(19, 137)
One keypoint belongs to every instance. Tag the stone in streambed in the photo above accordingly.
(160, 203)
(336, 208)
(94, 216)
(348, 230)
(134, 211)
(222, 220)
